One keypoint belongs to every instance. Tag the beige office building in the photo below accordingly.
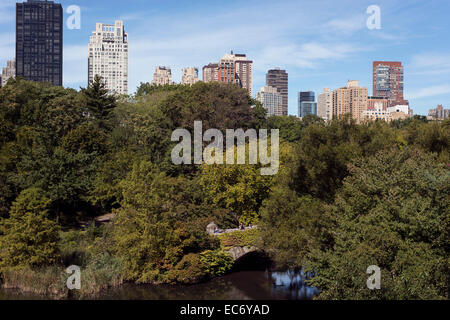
(325, 104)
(108, 56)
(190, 76)
(350, 100)
(162, 76)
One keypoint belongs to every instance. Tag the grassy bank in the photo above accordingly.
(91, 249)
(88, 249)
(49, 281)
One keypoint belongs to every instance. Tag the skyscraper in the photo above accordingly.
(325, 104)
(162, 76)
(39, 41)
(278, 79)
(350, 100)
(306, 103)
(271, 100)
(190, 76)
(8, 72)
(108, 56)
(388, 81)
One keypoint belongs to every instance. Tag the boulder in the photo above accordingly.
(211, 228)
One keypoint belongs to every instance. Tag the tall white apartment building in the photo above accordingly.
(108, 56)
(162, 76)
(272, 100)
(190, 76)
(325, 104)
(8, 72)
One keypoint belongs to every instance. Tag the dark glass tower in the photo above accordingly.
(39, 41)
(306, 104)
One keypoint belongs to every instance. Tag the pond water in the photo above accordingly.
(244, 285)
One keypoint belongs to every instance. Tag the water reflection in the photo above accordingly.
(292, 284)
(245, 285)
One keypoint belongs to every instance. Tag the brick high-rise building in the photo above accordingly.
(39, 41)
(108, 56)
(232, 68)
(388, 82)
(350, 100)
(235, 68)
(278, 79)
(211, 73)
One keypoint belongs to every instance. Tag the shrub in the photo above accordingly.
(30, 238)
(189, 270)
(216, 263)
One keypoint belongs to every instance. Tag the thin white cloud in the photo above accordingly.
(347, 25)
(429, 91)
(431, 60)
(308, 55)
(430, 64)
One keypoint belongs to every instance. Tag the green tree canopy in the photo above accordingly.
(156, 225)
(30, 237)
(392, 212)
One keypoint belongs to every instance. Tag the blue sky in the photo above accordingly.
(320, 43)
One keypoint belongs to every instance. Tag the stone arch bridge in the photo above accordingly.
(236, 251)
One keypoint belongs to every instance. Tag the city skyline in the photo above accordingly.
(329, 47)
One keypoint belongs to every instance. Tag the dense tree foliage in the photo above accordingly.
(303, 222)
(392, 212)
(30, 237)
(158, 224)
(346, 195)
